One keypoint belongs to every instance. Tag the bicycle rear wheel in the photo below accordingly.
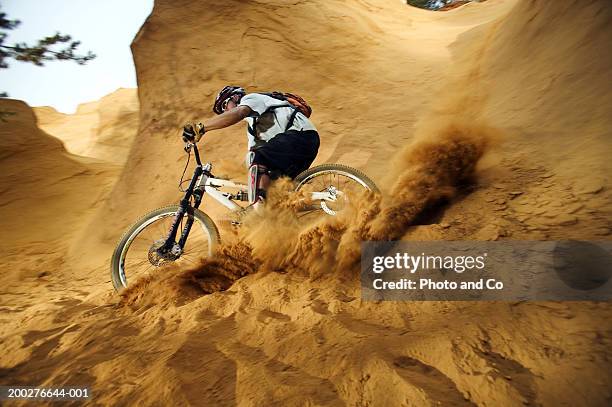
(136, 255)
(335, 185)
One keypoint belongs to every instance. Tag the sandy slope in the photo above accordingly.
(103, 129)
(45, 190)
(47, 196)
(512, 94)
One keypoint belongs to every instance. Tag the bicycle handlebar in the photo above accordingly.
(192, 145)
(189, 135)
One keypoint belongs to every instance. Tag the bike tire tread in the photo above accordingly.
(337, 167)
(202, 216)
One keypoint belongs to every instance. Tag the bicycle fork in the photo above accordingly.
(169, 246)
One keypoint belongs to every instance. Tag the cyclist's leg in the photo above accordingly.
(289, 153)
(258, 179)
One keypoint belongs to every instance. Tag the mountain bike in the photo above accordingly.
(167, 235)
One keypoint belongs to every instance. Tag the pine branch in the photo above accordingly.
(42, 51)
(7, 24)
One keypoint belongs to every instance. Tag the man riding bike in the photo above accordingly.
(282, 141)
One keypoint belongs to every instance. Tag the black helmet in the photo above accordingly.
(226, 93)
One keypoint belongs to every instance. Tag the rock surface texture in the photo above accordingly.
(490, 121)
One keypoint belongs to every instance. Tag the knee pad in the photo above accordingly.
(255, 173)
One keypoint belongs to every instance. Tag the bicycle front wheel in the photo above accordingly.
(136, 254)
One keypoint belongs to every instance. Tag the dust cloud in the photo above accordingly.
(276, 317)
(426, 172)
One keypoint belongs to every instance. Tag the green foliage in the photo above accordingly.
(57, 47)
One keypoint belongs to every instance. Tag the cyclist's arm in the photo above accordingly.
(227, 119)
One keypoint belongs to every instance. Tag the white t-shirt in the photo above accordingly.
(275, 121)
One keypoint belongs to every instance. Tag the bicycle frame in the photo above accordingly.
(225, 199)
(202, 182)
(222, 197)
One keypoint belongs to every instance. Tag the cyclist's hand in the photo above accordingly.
(188, 133)
(191, 134)
(200, 130)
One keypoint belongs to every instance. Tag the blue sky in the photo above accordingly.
(106, 27)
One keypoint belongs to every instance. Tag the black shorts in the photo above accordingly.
(289, 153)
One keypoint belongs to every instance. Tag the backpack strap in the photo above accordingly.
(253, 129)
(292, 118)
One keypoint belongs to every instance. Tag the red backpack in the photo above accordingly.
(294, 99)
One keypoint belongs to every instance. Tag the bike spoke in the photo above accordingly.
(305, 213)
(347, 190)
(136, 259)
(137, 269)
(151, 234)
(141, 245)
(188, 259)
(163, 227)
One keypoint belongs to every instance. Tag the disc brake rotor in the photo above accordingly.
(337, 195)
(158, 259)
